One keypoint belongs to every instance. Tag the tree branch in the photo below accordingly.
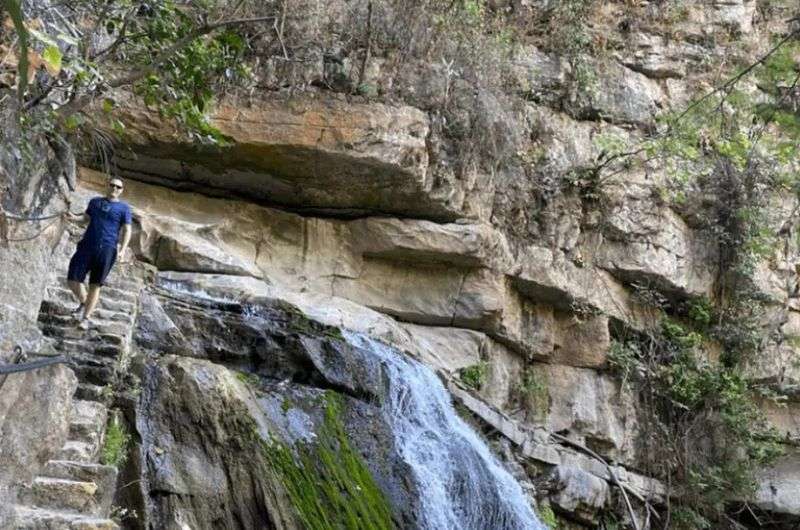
(623, 489)
(735, 79)
(79, 103)
(14, 9)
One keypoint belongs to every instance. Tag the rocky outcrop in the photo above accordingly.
(317, 155)
(454, 214)
(26, 445)
(779, 488)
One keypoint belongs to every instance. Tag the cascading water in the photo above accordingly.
(462, 486)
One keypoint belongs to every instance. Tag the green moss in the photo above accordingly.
(547, 517)
(300, 323)
(115, 445)
(248, 378)
(327, 481)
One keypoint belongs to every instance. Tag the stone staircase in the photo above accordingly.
(74, 491)
(98, 355)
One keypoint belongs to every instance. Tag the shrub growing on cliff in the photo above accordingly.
(115, 445)
(175, 56)
(474, 376)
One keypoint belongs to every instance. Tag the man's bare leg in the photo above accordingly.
(79, 291)
(91, 300)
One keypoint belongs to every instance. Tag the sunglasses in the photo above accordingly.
(117, 186)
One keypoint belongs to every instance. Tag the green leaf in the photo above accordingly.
(44, 38)
(52, 58)
(72, 122)
(118, 127)
(108, 105)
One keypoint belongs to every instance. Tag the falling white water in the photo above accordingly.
(461, 484)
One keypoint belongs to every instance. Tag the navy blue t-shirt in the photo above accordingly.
(107, 218)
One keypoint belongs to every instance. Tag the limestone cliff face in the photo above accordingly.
(336, 212)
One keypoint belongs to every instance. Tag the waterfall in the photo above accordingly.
(462, 485)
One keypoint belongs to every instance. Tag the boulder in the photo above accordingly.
(34, 424)
(579, 494)
(588, 406)
(464, 245)
(539, 76)
(654, 247)
(734, 14)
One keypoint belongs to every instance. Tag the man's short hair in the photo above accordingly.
(112, 179)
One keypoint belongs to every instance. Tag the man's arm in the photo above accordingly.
(126, 238)
(81, 217)
(127, 219)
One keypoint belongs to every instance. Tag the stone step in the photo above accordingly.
(101, 348)
(104, 476)
(88, 421)
(51, 318)
(92, 373)
(124, 284)
(71, 331)
(78, 452)
(63, 301)
(88, 472)
(112, 293)
(29, 518)
(90, 392)
(62, 494)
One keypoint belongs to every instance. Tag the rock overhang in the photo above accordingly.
(316, 155)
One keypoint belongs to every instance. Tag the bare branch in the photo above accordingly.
(623, 489)
(735, 79)
(120, 39)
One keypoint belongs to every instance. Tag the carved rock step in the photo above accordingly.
(90, 392)
(124, 284)
(62, 494)
(104, 476)
(70, 330)
(106, 346)
(63, 300)
(38, 519)
(87, 422)
(89, 371)
(54, 318)
(78, 452)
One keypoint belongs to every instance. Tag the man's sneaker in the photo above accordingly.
(77, 311)
(84, 324)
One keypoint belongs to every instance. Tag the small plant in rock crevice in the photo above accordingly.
(474, 376)
(116, 442)
(533, 391)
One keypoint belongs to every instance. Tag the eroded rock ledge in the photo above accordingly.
(323, 156)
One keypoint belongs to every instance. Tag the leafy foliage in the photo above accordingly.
(706, 432)
(474, 376)
(176, 56)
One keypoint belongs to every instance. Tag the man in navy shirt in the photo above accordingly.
(98, 249)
